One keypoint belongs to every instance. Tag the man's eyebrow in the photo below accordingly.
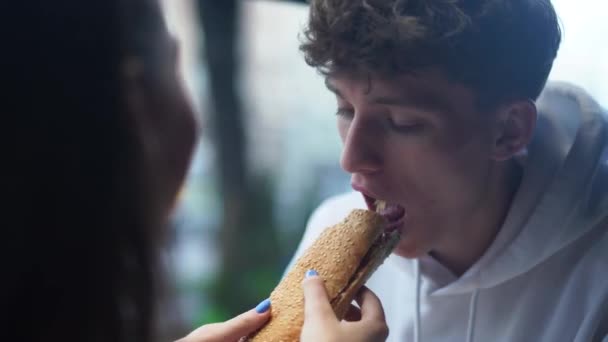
(426, 102)
(421, 100)
(333, 88)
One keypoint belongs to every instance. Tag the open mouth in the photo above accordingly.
(393, 213)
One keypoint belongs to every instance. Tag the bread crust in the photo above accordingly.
(336, 256)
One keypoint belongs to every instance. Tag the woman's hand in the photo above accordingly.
(321, 324)
(234, 329)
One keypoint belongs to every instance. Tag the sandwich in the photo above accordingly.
(345, 256)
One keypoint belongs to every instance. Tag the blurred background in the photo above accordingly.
(269, 151)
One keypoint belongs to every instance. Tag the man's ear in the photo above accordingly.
(514, 128)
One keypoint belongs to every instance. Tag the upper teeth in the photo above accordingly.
(380, 205)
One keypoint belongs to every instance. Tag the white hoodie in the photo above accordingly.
(545, 277)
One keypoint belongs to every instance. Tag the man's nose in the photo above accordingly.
(362, 152)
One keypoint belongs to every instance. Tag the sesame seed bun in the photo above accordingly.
(345, 256)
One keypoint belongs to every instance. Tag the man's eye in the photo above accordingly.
(413, 127)
(344, 113)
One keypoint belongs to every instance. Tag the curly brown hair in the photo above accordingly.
(502, 49)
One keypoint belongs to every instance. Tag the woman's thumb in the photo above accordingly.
(316, 303)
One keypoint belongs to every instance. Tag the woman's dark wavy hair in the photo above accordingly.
(502, 49)
(79, 240)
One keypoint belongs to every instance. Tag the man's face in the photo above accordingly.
(419, 143)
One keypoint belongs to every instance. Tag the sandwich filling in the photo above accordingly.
(380, 249)
(393, 213)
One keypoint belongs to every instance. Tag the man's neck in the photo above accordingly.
(476, 234)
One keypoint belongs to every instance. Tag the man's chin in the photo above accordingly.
(408, 249)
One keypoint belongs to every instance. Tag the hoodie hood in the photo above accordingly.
(556, 203)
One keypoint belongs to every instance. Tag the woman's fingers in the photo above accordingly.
(246, 323)
(321, 324)
(372, 325)
(316, 304)
(353, 314)
(233, 329)
(371, 308)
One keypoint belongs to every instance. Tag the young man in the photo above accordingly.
(500, 199)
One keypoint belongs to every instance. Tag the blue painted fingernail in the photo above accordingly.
(263, 306)
(311, 273)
